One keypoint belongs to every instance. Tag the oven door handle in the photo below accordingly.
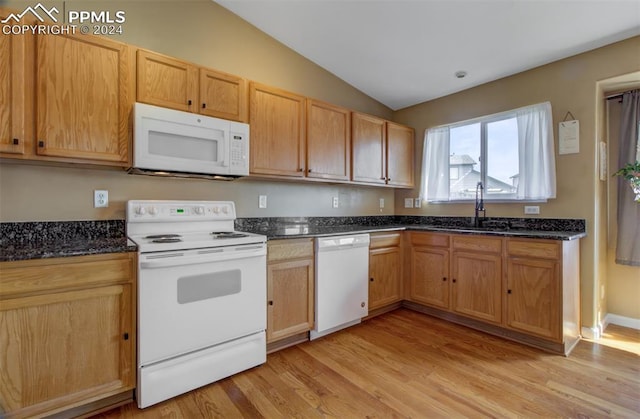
(200, 256)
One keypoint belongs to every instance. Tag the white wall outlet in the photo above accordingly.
(262, 201)
(531, 209)
(335, 202)
(408, 202)
(100, 199)
(417, 203)
(381, 203)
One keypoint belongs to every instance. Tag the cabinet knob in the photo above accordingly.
(16, 141)
(383, 178)
(126, 336)
(453, 280)
(41, 144)
(388, 179)
(301, 170)
(189, 102)
(444, 278)
(204, 105)
(508, 291)
(362, 304)
(309, 170)
(270, 302)
(371, 279)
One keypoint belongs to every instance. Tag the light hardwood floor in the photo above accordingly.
(406, 364)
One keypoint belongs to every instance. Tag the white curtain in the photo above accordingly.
(536, 153)
(435, 164)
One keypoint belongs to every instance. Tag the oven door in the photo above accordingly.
(193, 299)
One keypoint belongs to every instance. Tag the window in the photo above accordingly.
(511, 153)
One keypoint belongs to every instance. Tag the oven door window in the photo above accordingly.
(208, 286)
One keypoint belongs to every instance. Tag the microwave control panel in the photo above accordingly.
(238, 149)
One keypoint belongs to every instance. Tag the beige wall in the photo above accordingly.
(570, 85)
(207, 34)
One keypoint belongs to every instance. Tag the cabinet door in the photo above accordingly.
(400, 155)
(15, 91)
(277, 121)
(83, 98)
(168, 82)
(384, 277)
(62, 348)
(223, 95)
(533, 296)
(369, 149)
(328, 141)
(430, 276)
(476, 282)
(290, 289)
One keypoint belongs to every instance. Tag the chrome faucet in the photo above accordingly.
(479, 205)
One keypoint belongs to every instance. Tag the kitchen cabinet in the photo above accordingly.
(277, 120)
(430, 280)
(67, 334)
(400, 155)
(476, 277)
(84, 96)
(290, 288)
(385, 270)
(534, 287)
(328, 141)
(382, 151)
(16, 90)
(176, 84)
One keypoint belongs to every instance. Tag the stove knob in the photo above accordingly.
(199, 210)
(225, 210)
(153, 210)
(141, 211)
(216, 210)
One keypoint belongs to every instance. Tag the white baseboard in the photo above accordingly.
(629, 322)
(592, 333)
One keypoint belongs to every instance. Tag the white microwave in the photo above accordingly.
(175, 143)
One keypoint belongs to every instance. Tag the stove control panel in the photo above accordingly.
(139, 211)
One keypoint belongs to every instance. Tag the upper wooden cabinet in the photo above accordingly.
(383, 151)
(84, 95)
(167, 82)
(400, 155)
(172, 83)
(16, 87)
(277, 121)
(328, 141)
(369, 139)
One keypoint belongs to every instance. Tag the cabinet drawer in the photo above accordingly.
(380, 240)
(289, 249)
(478, 244)
(534, 248)
(430, 239)
(42, 275)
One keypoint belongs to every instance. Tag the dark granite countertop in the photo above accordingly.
(279, 228)
(40, 240)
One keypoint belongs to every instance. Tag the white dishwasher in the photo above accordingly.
(342, 282)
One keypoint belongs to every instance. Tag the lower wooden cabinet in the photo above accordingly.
(385, 270)
(523, 289)
(67, 333)
(476, 277)
(290, 288)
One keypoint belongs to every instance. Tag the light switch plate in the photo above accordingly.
(381, 203)
(408, 202)
(418, 203)
(262, 201)
(335, 202)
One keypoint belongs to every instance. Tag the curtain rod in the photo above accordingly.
(617, 95)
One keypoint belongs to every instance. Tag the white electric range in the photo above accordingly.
(201, 296)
